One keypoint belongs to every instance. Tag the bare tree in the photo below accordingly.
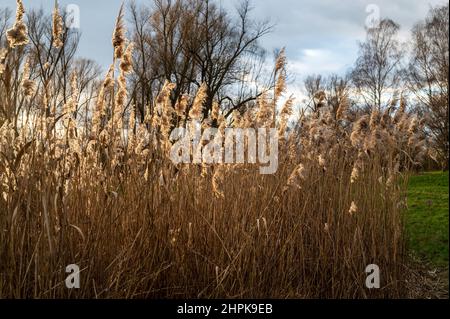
(49, 67)
(428, 77)
(377, 70)
(146, 68)
(337, 88)
(314, 86)
(190, 42)
(52, 65)
(5, 16)
(88, 73)
(11, 101)
(326, 91)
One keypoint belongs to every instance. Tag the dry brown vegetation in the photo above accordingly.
(141, 227)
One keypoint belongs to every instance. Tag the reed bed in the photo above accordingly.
(140, 226)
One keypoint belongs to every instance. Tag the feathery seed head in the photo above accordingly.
(17, 35)
(181, 105)
(118, 39)
(196, 111)
(353, 209)
(126, 63)
(29, 87)
(57, 27)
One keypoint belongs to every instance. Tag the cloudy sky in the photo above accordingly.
(320, 36)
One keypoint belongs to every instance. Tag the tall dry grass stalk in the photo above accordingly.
(140, 227)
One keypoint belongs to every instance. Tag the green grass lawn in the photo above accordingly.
(427, 220)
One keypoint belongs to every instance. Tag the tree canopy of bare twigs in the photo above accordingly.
(190, 42)
(377, 70)
(428, 77)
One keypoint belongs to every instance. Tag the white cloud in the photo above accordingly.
(316, 61)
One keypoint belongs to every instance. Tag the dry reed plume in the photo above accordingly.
(17, 35)
(57, 27)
